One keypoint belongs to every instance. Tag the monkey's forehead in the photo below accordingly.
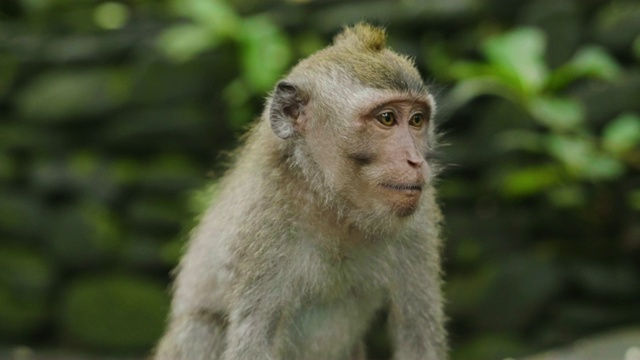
(385, 70)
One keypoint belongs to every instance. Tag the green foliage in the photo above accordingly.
(264, 50)
(530, 180)
(114, 113)
(515, 70)
(8, 67)
(111, 15)
(25, 280)
(492, 346)
(64, 96)
(622, 134)
(634, 199)
(20, 214)
(589, 61)
(83, 235)
(516, 58)
(119, 313)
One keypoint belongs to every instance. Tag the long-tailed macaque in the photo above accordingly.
(327, 215)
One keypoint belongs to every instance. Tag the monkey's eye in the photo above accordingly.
(417, 120)
(386, 118)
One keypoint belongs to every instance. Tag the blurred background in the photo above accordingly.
(114, 116)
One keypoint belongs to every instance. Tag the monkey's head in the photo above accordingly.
(357, 121)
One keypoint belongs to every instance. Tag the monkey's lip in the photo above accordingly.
(410, 188)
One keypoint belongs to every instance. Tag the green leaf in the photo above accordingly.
(183, 42)
(266, 52)
(622, 134)
(213, 22)
(573, 152)
(68, 95)
(111, 15)
(581, 158)
(530, 180)
(466, 90)
(595, 61)
(468, 69)
(557, 113)
(26, 281)
(115, 312)
(215, 15)
(590, 61)
(603, 167)
(519, 55)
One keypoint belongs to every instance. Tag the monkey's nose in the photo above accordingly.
(414, 159)
(415, 162)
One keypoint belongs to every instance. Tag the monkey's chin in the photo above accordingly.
(404, 200)
(405, 209)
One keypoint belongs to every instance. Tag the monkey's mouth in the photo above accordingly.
(403, 187)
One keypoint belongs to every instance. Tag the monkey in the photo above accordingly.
(327, 214)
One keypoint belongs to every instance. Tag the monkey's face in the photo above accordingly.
(390, 164)
(375, 156)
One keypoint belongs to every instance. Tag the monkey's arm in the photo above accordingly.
(254, 321)
(416, 314)
(249, 336)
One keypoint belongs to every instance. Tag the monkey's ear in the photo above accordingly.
(286, 110)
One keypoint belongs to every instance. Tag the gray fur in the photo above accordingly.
(289, 261)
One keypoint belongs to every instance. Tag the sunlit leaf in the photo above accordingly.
(622, 134)
(581, 158)
(557, 113)
(183, 42)
(213, 21)
(519, 55)
(266, 52)
(603, 167)
(530, 180)
(573, 152)
(467, 90)
(595, 61)
(111, 15)
(591, 61)
(216, 15)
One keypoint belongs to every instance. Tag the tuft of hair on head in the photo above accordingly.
(362, 36)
